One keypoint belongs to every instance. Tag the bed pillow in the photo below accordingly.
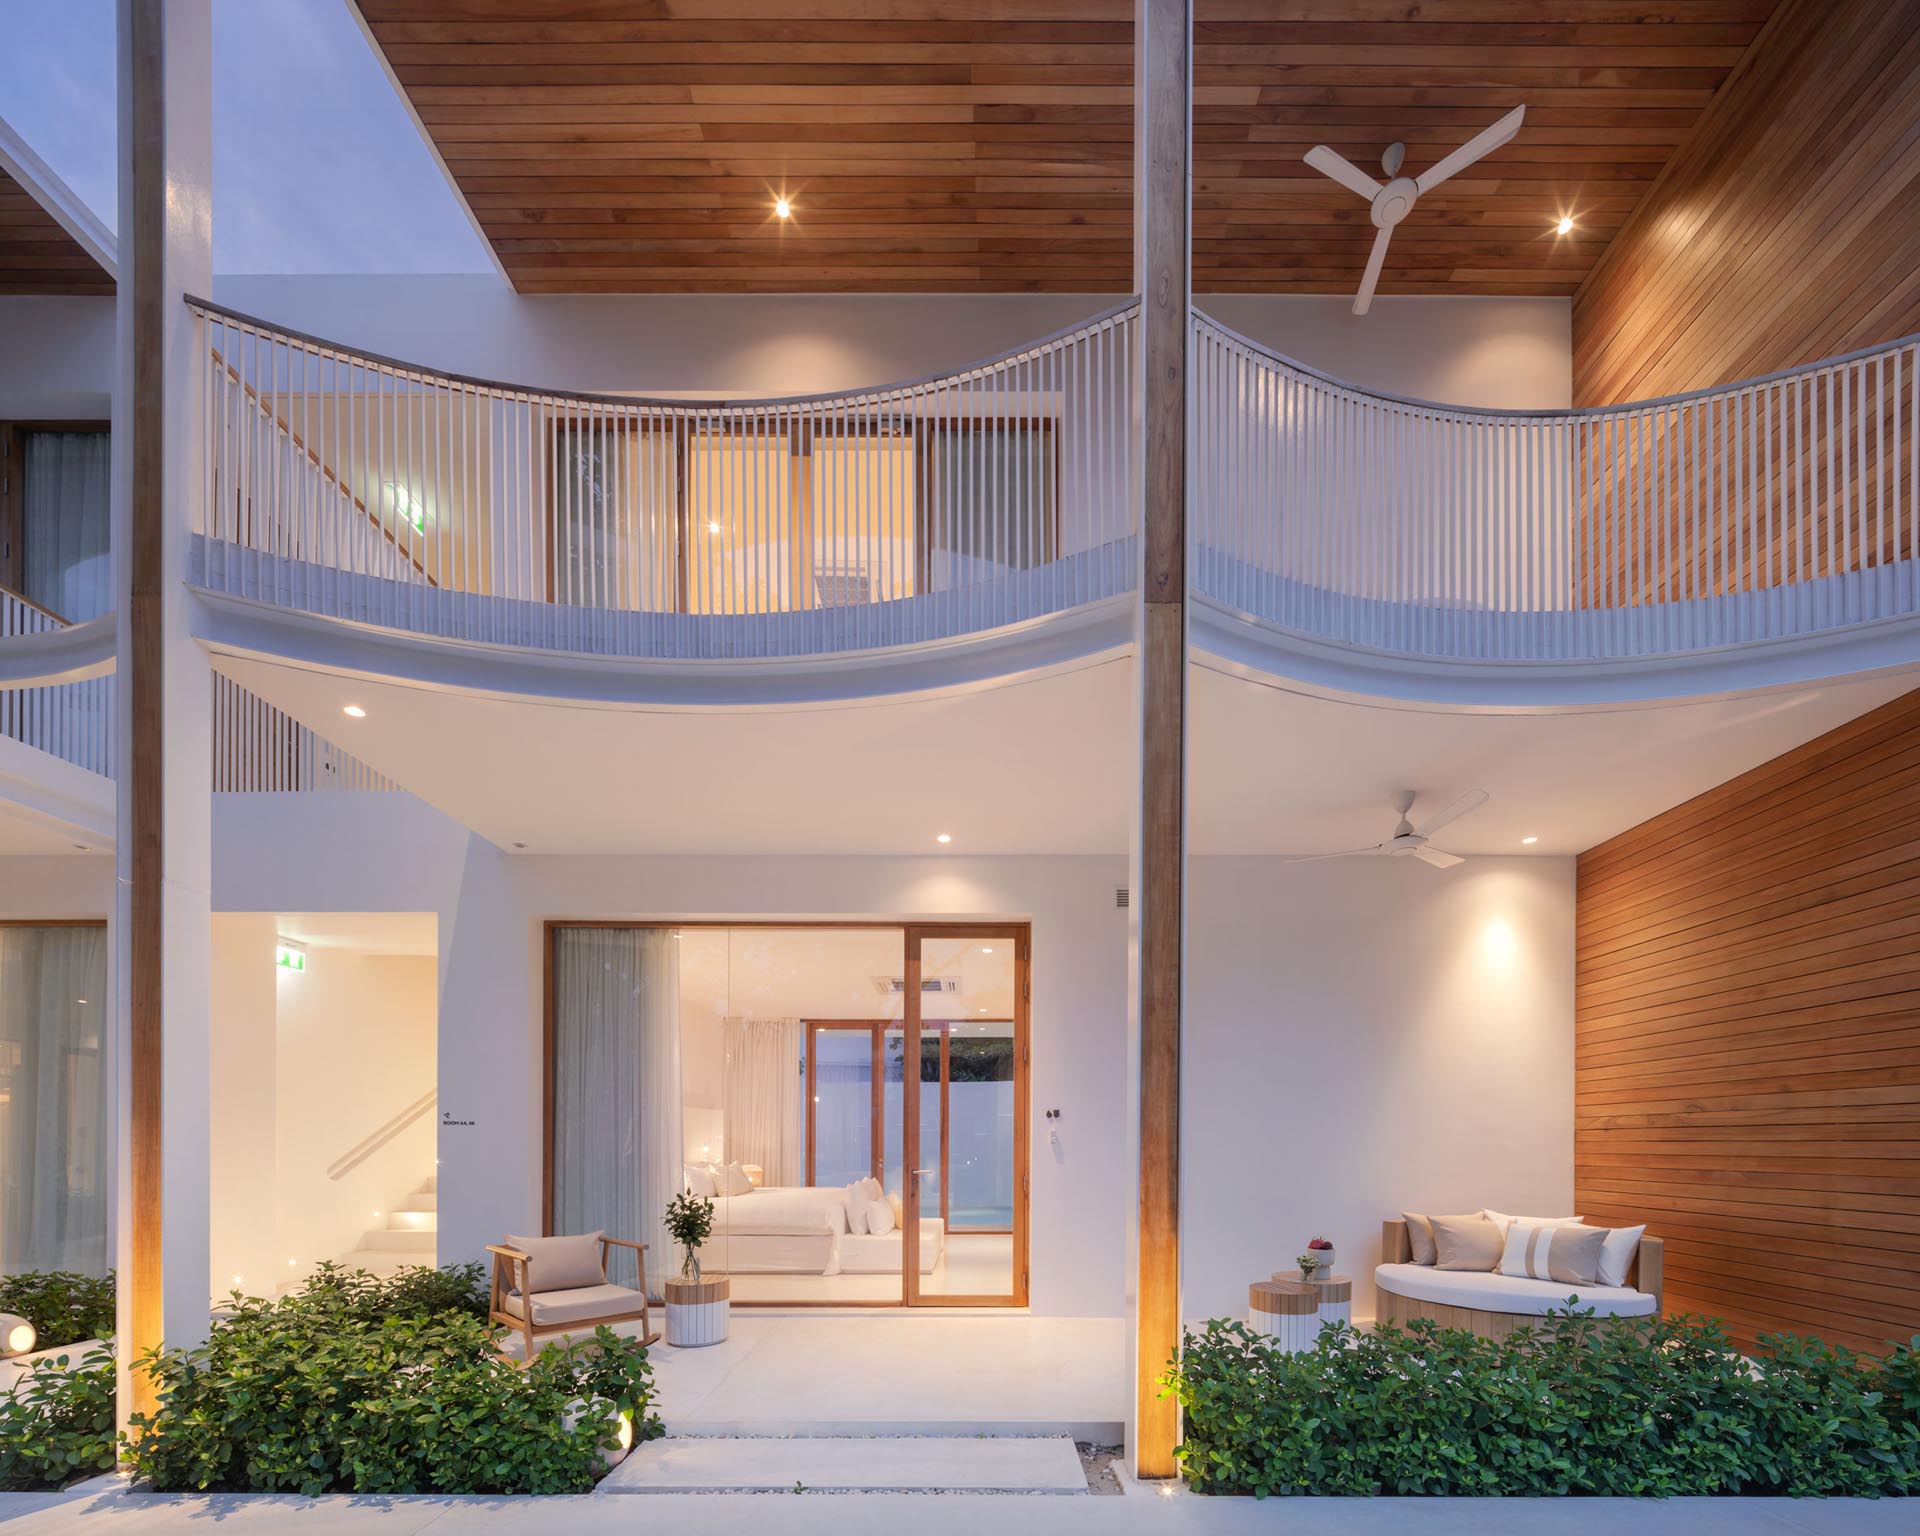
(856, 1203)
(732, 1180)
(1465, 1242)
(1501, 1220)
(1419, 1237)
(561, 1263)
(1566, 1253)
(1616, 1253)
(879, 1217)
(899, 1210)
(700, 1181)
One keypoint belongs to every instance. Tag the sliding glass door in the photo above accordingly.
(965, 1191)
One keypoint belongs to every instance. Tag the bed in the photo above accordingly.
(789, 1230)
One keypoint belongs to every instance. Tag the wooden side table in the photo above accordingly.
(1333, 1292)
(1286, 1311)
(697, 1311)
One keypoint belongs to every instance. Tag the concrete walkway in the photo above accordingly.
(118, 1513)
(904, 1464)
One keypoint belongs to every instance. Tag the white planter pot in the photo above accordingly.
(697, 1312)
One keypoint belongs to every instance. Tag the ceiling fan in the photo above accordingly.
(1394, 200)
(1408, 839)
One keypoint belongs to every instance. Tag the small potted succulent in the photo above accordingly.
(1318, 1257)
(697, 1309)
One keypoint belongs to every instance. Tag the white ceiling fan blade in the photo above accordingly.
(1344, 853)
(1330, 162)
(1472, 800)
(1363, 300)
(1483, 143)
(1437, 859)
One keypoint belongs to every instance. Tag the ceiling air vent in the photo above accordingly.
(892, 986)
(1122, 897)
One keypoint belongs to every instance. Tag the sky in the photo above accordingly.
(317, 166)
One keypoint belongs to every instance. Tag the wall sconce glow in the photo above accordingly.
(409, 508)
(1565, 226)
(943, 837)
(712, 526)
(353, 712)
(782, 208)
(1499, 944)
(1529, 841)
(289, 956)
(16, 1334)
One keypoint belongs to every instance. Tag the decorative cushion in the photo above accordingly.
(1567, 1255)
(1616, 1253)
(899, 1208)
(879, 1217)
(582, 1304)
(700, 1180)
(1466, 1242)
(856, 1194)
(1504, 1293)
(561, 1263)
(1501, 1220)
(732, 1180)
(1419, 1237)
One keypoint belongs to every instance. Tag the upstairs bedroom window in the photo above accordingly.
(55, 506)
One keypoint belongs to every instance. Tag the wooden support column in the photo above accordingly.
(162, 931)
(1163, 140)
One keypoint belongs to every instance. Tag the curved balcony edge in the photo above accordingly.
(71, 654)
(259, 629)
(1245, 645)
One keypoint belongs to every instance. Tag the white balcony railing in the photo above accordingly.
(70, 721)
(358, 488)
(1766, 510)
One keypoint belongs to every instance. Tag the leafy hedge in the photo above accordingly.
(362, 1385)
(63, 1307)
(1666, 1408)
(56, 1426)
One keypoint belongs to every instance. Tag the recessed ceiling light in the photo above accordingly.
(782, 209)
(1565, 226)
(986, 949)
(354, 712)
(944, 837)
(983, 1010)
(1529, 839)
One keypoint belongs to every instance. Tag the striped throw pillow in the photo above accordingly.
(1565, 1255)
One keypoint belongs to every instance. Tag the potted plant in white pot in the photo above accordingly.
(697, 1309)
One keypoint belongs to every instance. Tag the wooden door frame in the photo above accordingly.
(1019, 933)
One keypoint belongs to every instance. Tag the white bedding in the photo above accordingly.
(792, 1230)
(782, 1211)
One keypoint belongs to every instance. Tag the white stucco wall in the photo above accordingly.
(56, 358)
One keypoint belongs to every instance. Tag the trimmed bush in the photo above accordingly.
(56, 1425)
(1573, 1407)
(63, 1307)
(362, 1385)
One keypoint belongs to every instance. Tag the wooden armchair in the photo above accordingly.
(570, 1309)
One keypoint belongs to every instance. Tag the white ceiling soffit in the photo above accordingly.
(366, 933)
(19, 161)
(1041, 767)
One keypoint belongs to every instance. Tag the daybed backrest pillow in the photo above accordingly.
(700, 1180)
(1465, 1242)
(733, 1180)
(856, 1202)
(1501, 1220)
(1419, 1237)
(1566, 1254)
(1616, 1253)
(879, 1217)
(561, 1263)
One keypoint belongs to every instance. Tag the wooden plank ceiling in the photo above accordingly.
(959, 145)
(37, 255)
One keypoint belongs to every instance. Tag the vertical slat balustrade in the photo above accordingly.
(70, 721)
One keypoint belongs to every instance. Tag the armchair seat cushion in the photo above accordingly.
(1507, 1293)
(581, 1304)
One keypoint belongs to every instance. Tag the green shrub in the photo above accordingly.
(365, 1386)
(1574, 1407)
(56, 1425)
(63, 1307)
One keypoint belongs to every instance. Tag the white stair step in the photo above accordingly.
(400, 1239)
(426, 1200)
(413, 1221)
(1040, 1464)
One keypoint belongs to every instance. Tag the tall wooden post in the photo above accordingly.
(163, 861)
(1163, 139)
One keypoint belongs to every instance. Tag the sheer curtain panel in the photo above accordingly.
(66, 566)
(762, 1097)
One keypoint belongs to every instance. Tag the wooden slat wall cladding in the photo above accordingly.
(953, 145)
(1748, 1038)
(1786, 230)
(36, 254)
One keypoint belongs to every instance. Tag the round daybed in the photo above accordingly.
(1494, 1305)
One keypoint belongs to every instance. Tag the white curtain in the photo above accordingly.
(54, 1107)
(761, 1096)
(616, 1088)
(66, 563)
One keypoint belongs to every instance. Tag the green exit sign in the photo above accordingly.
(289, 957)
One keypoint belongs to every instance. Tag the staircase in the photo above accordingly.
(408, 1238)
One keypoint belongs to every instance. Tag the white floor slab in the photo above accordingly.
(919, 1464)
